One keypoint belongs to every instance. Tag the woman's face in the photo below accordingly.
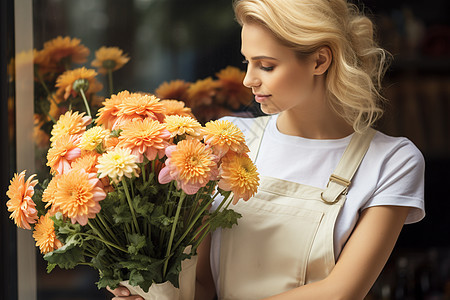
(278, 79)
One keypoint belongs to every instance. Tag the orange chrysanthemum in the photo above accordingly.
(175, 89)
(239, 175)
(21, 206)
(109, 58)
(145, 138)
(140, 106)
(183, 126)
(65, 48)
(175, 107)
(44, 235)
(87, 161)
(107, 115)
(78, 196)
(232, 91)
(71, 123)
(201, 92)
(65, 82)
(223, 135)
(62, 153)
(191, 164)
(48, 196)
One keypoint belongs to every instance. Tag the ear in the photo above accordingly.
(323, 58)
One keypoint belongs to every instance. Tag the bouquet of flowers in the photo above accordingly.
(129, 192)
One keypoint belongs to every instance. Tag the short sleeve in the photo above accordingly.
(401, 180)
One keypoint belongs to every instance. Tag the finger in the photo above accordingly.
(128, 298)
(119, 291)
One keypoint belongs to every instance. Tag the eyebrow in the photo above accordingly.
(262, 57)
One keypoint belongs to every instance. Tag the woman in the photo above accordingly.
(334, 193)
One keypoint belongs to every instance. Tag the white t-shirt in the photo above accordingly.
(391, 173)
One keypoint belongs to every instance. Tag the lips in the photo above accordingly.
(261, 98)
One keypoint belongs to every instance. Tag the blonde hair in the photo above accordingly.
(354, 77)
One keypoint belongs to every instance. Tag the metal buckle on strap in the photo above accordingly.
(341, 181)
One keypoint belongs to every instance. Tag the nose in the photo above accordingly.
(250, 80)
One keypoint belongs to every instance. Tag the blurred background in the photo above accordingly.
(191, 40)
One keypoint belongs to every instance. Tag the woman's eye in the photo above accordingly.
(267, 69)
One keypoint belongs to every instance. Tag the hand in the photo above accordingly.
(122, 293)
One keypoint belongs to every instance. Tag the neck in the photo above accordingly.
(313, 123)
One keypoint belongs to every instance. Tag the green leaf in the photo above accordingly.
(137, 242)
(122, 214)
(50, 267)
(68, 256)
(224, 219)
(142, 206)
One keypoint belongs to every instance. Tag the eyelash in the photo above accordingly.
(266, 69)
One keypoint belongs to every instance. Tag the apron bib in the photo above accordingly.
(285, 236)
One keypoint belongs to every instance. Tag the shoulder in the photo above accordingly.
(394, 150)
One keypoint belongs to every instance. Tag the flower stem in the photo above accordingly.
(101, 238)
(111, 234)
(88, 110)
(172, 233)
(133, 214)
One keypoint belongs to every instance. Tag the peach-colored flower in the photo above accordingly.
(175, 89)
(44, 235)
(191, 164)
(146, 137)
(65, 82)
(109, 58)
(183, 126)
(20, 203)
(202, 92)
(223, 135)
(139, 106)
(71, 123)
(232, 91)
(107, 115)
(175, 107)
(78, 196)
(111, 142)
(239, 175)
(63, 151)
(65, 48)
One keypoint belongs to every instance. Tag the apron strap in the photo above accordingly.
(340, 180)
(256, 134)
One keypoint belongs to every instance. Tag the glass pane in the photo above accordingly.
(163, 39)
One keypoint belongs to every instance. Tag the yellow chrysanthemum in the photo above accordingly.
(223, 135)
(92, 138)
(146, 137)
(66, 48)
(65, 82)
(117, 163)
(107, 115)
(191, 164)
(63, 151)
(44, 235)
(239, 175)
(175, 107)
(71, 123)
(20, 204)
(109, 58)
(201, 92)
(178, 125)
(141, 106)
(232, 91)
(175, 89)
(77, 196)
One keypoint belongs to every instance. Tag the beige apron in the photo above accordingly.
(285, 236)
